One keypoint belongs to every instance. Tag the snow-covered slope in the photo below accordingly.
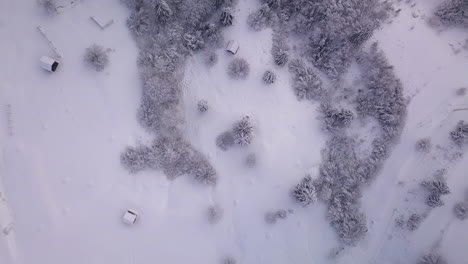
(63, 190)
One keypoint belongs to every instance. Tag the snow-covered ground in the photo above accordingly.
(63, 190)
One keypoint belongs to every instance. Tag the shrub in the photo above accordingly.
(305, 192)
(97, 57)
(49, 6)
(238, 68)
(243, 131)
(211, 58)
(215, 214)
(225, 140)
(226, 18)
(460, 134)
(433, 200)
(202, 106)
(269, 77)
(424, 145)
(251, 160)
(461, 210)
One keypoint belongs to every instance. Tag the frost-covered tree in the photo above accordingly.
(251, 160)
(438, 185)
(453, 13)
(414, 221)
(261, 18)
(273, 4)
(243, 131)
(460, 134)
(238, 68)
(432, 258)
(139, 22)
(49, 6)
(133, 4)
(211, 35)
(306, 84)
(138, 158)
(269, 77)
(162, 11)
(226, 17)
(225, 140)
(96, 57)
(424, 145)
(206, 174)
(280, 49)
(202, 106)
(193, 42)
(229, 260)
(379, 150)
(211, 58)
(215, 214)
(305, 192)
(349, 223)
(333, 119)
(461, 210)
(434, 200)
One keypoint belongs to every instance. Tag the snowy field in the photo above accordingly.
(63, 189)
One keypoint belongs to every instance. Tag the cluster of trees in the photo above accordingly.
(452, 13)
(166, 33)
(96, 56)
(412, 223)
(262, 18)
(240, 134)
(334, 120)
(436, 186)
(383, 97)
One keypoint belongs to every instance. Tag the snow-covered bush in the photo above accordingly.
(97, 57)
(139, 22)
(306, 84)
(202, 106)
(280, 48)
(261, 18)
(272, 217)
(334, 120)
(424, 145)
(461, 210)
(226, 18)
(238, 68)
(305, 192)
(269, 77)
(349, 223)
(49, 6)
(432, 258)
(225, 140)
(193, 42)
(453, 13)
(215, 214)
(243, 131)
(211, 58)
(414, 221)
(460, 134)
(133, 4)
(251, 160)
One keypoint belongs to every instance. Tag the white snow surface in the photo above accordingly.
(63, 190)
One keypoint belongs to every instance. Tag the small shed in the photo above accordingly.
(232, 46)
(49, 64)
(130, 217)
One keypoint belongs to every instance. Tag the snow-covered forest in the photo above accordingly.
(234, 131)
